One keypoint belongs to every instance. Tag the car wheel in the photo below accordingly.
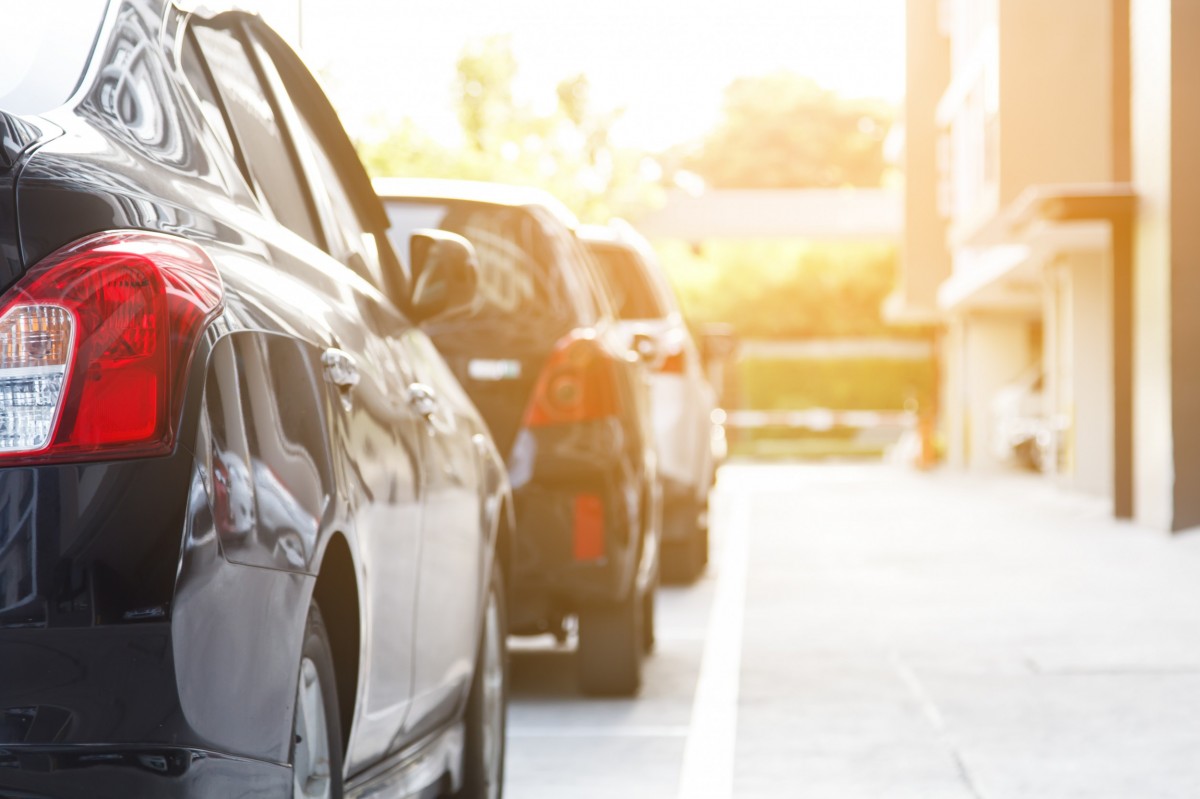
(316, 730)
(683, 561)
(648, 637)
(483, 754)
(611, 645)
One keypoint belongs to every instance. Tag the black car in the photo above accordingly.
(251, 527)
(542, 358)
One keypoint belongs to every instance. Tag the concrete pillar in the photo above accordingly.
(1165, 114)
(1090, 411)
(954, 400)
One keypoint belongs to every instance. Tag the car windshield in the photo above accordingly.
(628, 284)
(46, 47)
(517, 278)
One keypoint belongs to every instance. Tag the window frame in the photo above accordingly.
(233, 26)
(312, 124)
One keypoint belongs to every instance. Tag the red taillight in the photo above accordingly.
(577, 384)
(674, 363)
(589, 527)
(94, 344)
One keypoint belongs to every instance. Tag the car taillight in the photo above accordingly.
(577, 384)
(674, 363)
(94, 344)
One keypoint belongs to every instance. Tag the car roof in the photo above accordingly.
(600, 234)
(475, 191)
(618, 233)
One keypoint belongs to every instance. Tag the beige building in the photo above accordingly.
(1053, 230)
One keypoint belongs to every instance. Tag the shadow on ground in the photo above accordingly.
(543, 673)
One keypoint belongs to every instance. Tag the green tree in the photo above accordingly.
(785, 289)
(484, 77)
(567, 151)
(785, 131)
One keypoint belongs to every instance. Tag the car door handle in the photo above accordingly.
(423, 400)
(340, 368)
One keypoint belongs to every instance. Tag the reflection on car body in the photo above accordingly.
(236, 558)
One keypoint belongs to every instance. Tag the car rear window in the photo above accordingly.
(46, 47)
(629, 287)
(517, 277)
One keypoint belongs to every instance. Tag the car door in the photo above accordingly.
(376, 435)
(453, 545)
(436, 423)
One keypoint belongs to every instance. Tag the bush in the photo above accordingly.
(869, 384)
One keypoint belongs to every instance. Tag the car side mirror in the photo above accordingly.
(445, 274)
(645, 347)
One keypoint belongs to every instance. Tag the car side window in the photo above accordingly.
(601, 301)
(577, 270)
(273, 169)
(346, 236)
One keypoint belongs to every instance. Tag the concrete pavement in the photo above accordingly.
(900, 635)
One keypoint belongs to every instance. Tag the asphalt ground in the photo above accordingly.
(867, 631)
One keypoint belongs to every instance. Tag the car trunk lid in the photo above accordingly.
(498, 373)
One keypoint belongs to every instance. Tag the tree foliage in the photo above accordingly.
(784, 131)
(566, 151)
(784, 289)
(483, 82)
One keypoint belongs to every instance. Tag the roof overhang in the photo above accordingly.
(1000, 266)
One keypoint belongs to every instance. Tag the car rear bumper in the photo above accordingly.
(97, 650)
(109, 772)
(580, 504)
(681, 511)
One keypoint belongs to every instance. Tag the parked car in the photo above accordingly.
(566, 401)
(248, 519)
(683, 402)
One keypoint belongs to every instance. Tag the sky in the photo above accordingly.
(664, 62)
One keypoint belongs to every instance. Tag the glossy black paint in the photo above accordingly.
(549, 467)
(161, 772)
(151, 610)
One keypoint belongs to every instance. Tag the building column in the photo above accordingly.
(1089, 410)
(1165, 114)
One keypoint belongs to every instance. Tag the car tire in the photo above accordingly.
(487, 705)
(648, 632)
(683, 561)
(611, 645)
(316, 727)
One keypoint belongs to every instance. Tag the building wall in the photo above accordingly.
(994, 351)
(924, 258)
(1080, 369)
(1056, 99)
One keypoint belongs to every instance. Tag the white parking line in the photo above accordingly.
(708, 756)
(668, 731)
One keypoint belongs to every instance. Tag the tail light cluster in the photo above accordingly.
(577, 384)
(94, 346)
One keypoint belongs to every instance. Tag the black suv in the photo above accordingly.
(566, 400)
(248, 518)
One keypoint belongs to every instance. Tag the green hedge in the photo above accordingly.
(874, 384)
